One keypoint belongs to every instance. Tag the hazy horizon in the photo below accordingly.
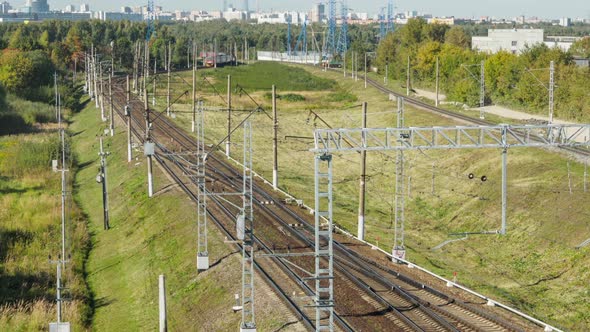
(457, 8)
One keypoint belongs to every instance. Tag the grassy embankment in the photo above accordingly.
(30, 228)
(535, 267)
(150, 237)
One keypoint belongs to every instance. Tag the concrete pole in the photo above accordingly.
(128, 114)
(111, 107)
(215, 52)
(408, 78)
(362, 187)
(194, 96)
(386, 78)
(275, 145)
(228, 142)
(102, 116)
(63, 179)
(437, 82)
(551, 90)
(162, 304)
(365, 70)
(147, 131)
(105, 196)
(58, 295)
(168, 92)
(504, 189)
(155, 79)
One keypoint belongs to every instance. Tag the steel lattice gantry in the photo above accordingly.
(328, 141)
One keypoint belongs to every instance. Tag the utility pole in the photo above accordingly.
(103, 117)
(111, 115)
(551, 90)
(155, 79)
(344, 66)
(162, 303)
(102, 178)
(215, 52)
(504, 188)
(437, 81)
(365, 70)
(202, 245)
(194, 92)
(248, 317)
(275, 141)
(408, 78)
(482, 94)
(399, 250)
(386, 78)
(228, 142)
(168, 93)
(149, 147)
(363, 176)
(128, 115)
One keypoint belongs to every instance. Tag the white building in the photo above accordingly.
(565, 21)
(512, 40)
(84, 8)
(233, 14)
(562, 42)
(70, 9)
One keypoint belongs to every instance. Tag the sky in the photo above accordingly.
(457, 8)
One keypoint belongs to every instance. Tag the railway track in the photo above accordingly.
(368, 296)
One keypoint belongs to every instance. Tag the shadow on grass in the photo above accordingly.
(9, 238)
(26, 287)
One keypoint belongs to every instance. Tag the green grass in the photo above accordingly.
(150, 237)
(30, 232)
(534, 268)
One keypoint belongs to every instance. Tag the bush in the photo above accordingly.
(291, 97)
(341, 96)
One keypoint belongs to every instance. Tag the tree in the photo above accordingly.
(456, 36)
(16, 71)
(581, 48)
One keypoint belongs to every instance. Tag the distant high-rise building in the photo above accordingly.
(246, 7)
(39, 6)
(565, 21)
(318, 12)
(84, 8)
(5, 7)
(126, 9)
(70, 8)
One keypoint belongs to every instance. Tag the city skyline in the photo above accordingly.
(457, 8)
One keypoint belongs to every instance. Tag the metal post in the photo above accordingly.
(504, 188)
(437, 81)
(194, 94)
(408, 78)
(248, 317)
(148, 138)
(399, 249)
(102, 116)
(433, 167)
(324, 254)
(275, 169)
(202, 245)
(228, 142)
(365, 70)
(155, 81)
(111, 107)
(63, 178)
(363, 176)
(58, 289)
(551, 90)
(162, 304)
(585, 176)
(103, 180)
(343, 65)
(569, 177)
(168, 93)
(482, 93)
